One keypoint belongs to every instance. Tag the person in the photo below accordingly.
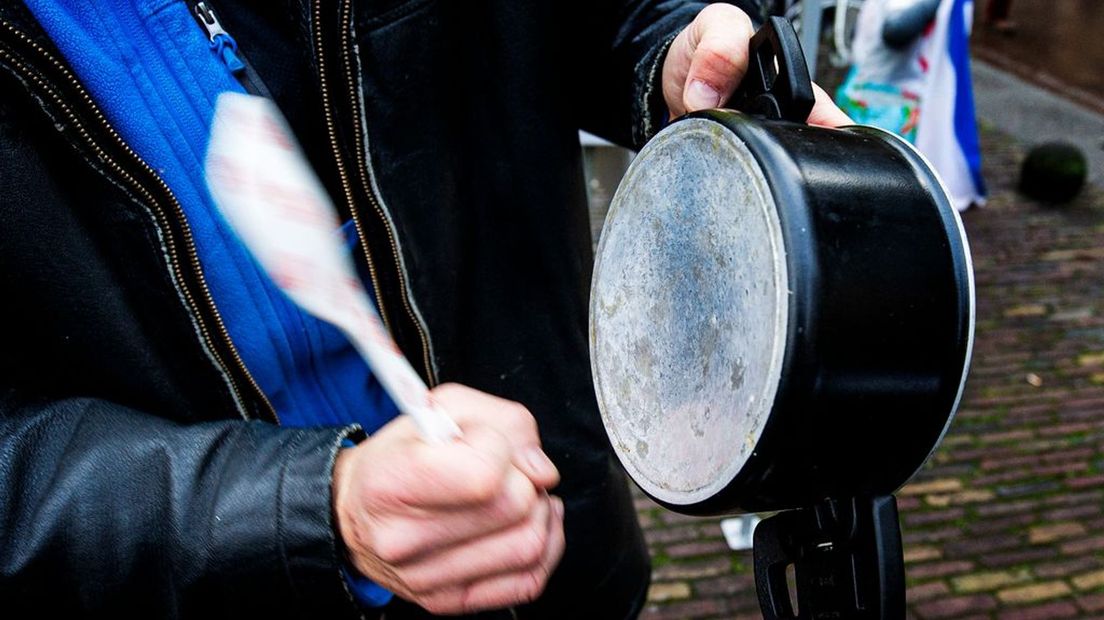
(996, 16)
(178, 440)
(911, 75)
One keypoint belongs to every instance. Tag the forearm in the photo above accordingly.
(110, 511)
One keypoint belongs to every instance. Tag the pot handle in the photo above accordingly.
(847, 560)
(777, 84)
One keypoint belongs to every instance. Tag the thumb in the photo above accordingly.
(713, 52)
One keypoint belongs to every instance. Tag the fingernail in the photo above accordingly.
(538, 461)
(700, 96)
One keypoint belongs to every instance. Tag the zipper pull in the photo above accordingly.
(221, 41)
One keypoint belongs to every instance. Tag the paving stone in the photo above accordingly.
(1012, 523)
(955, 606)
(926, 591)
(1002, 508)
(1021, 490)
(1034, 592)
(972, 496)
(727, 586)
(1065, 429)
(1019, 434)
(937, 569)
(981, 545)
(927, 517)
(911, 537)
(1085, 545)
(906, 504)
(1073, 314)
(1022, 473)
(662, 592)
(1067, 566)
(1026, 310)
(915, 554)
(692, 570)
(1091, 602)
(991, 580)
(1089, 581)
(685, 610)
(1016, 557)
(1076, 498)
(1059, 609)
(1054, 531)
(1073, 512)
(1086, 482)
(943, 485)
(698, 549)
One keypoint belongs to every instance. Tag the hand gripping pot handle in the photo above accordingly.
(777, 84)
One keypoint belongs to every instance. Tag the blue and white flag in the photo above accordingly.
(922, 92)
(947, 133)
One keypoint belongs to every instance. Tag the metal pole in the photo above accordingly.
(811, 13)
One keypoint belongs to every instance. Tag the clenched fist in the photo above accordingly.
(455, 527)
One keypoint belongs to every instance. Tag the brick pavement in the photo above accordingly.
(1007, 520)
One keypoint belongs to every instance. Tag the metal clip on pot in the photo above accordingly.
(846, 552)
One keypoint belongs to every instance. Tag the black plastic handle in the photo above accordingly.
(847, 559)
(777, 84)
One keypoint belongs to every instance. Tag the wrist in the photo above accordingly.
(339, 492)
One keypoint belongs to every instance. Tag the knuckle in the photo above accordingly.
(486, 482)
(391, 549)
(519, 417)
(722, 57)
(530, 585)
(530, 549)
(515, 504)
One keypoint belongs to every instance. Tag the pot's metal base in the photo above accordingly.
(689, 312)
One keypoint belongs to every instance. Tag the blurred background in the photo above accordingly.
(1007, 519)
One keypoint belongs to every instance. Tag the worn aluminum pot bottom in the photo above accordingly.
(779, 314)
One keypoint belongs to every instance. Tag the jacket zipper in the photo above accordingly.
(226, 48)
(195, 305)
(364, 176)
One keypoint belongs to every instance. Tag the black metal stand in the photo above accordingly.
(847, 561)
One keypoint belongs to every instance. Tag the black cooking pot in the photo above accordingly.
(782, 318)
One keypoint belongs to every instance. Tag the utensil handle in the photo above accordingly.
(777, 84)
(847, 559)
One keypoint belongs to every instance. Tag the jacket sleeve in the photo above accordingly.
(620, 67)
(109, 511)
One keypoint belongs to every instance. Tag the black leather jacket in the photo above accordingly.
(141, 470)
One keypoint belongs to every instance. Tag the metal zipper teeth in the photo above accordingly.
(189, 241)
(362, 169)
(346, 185)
